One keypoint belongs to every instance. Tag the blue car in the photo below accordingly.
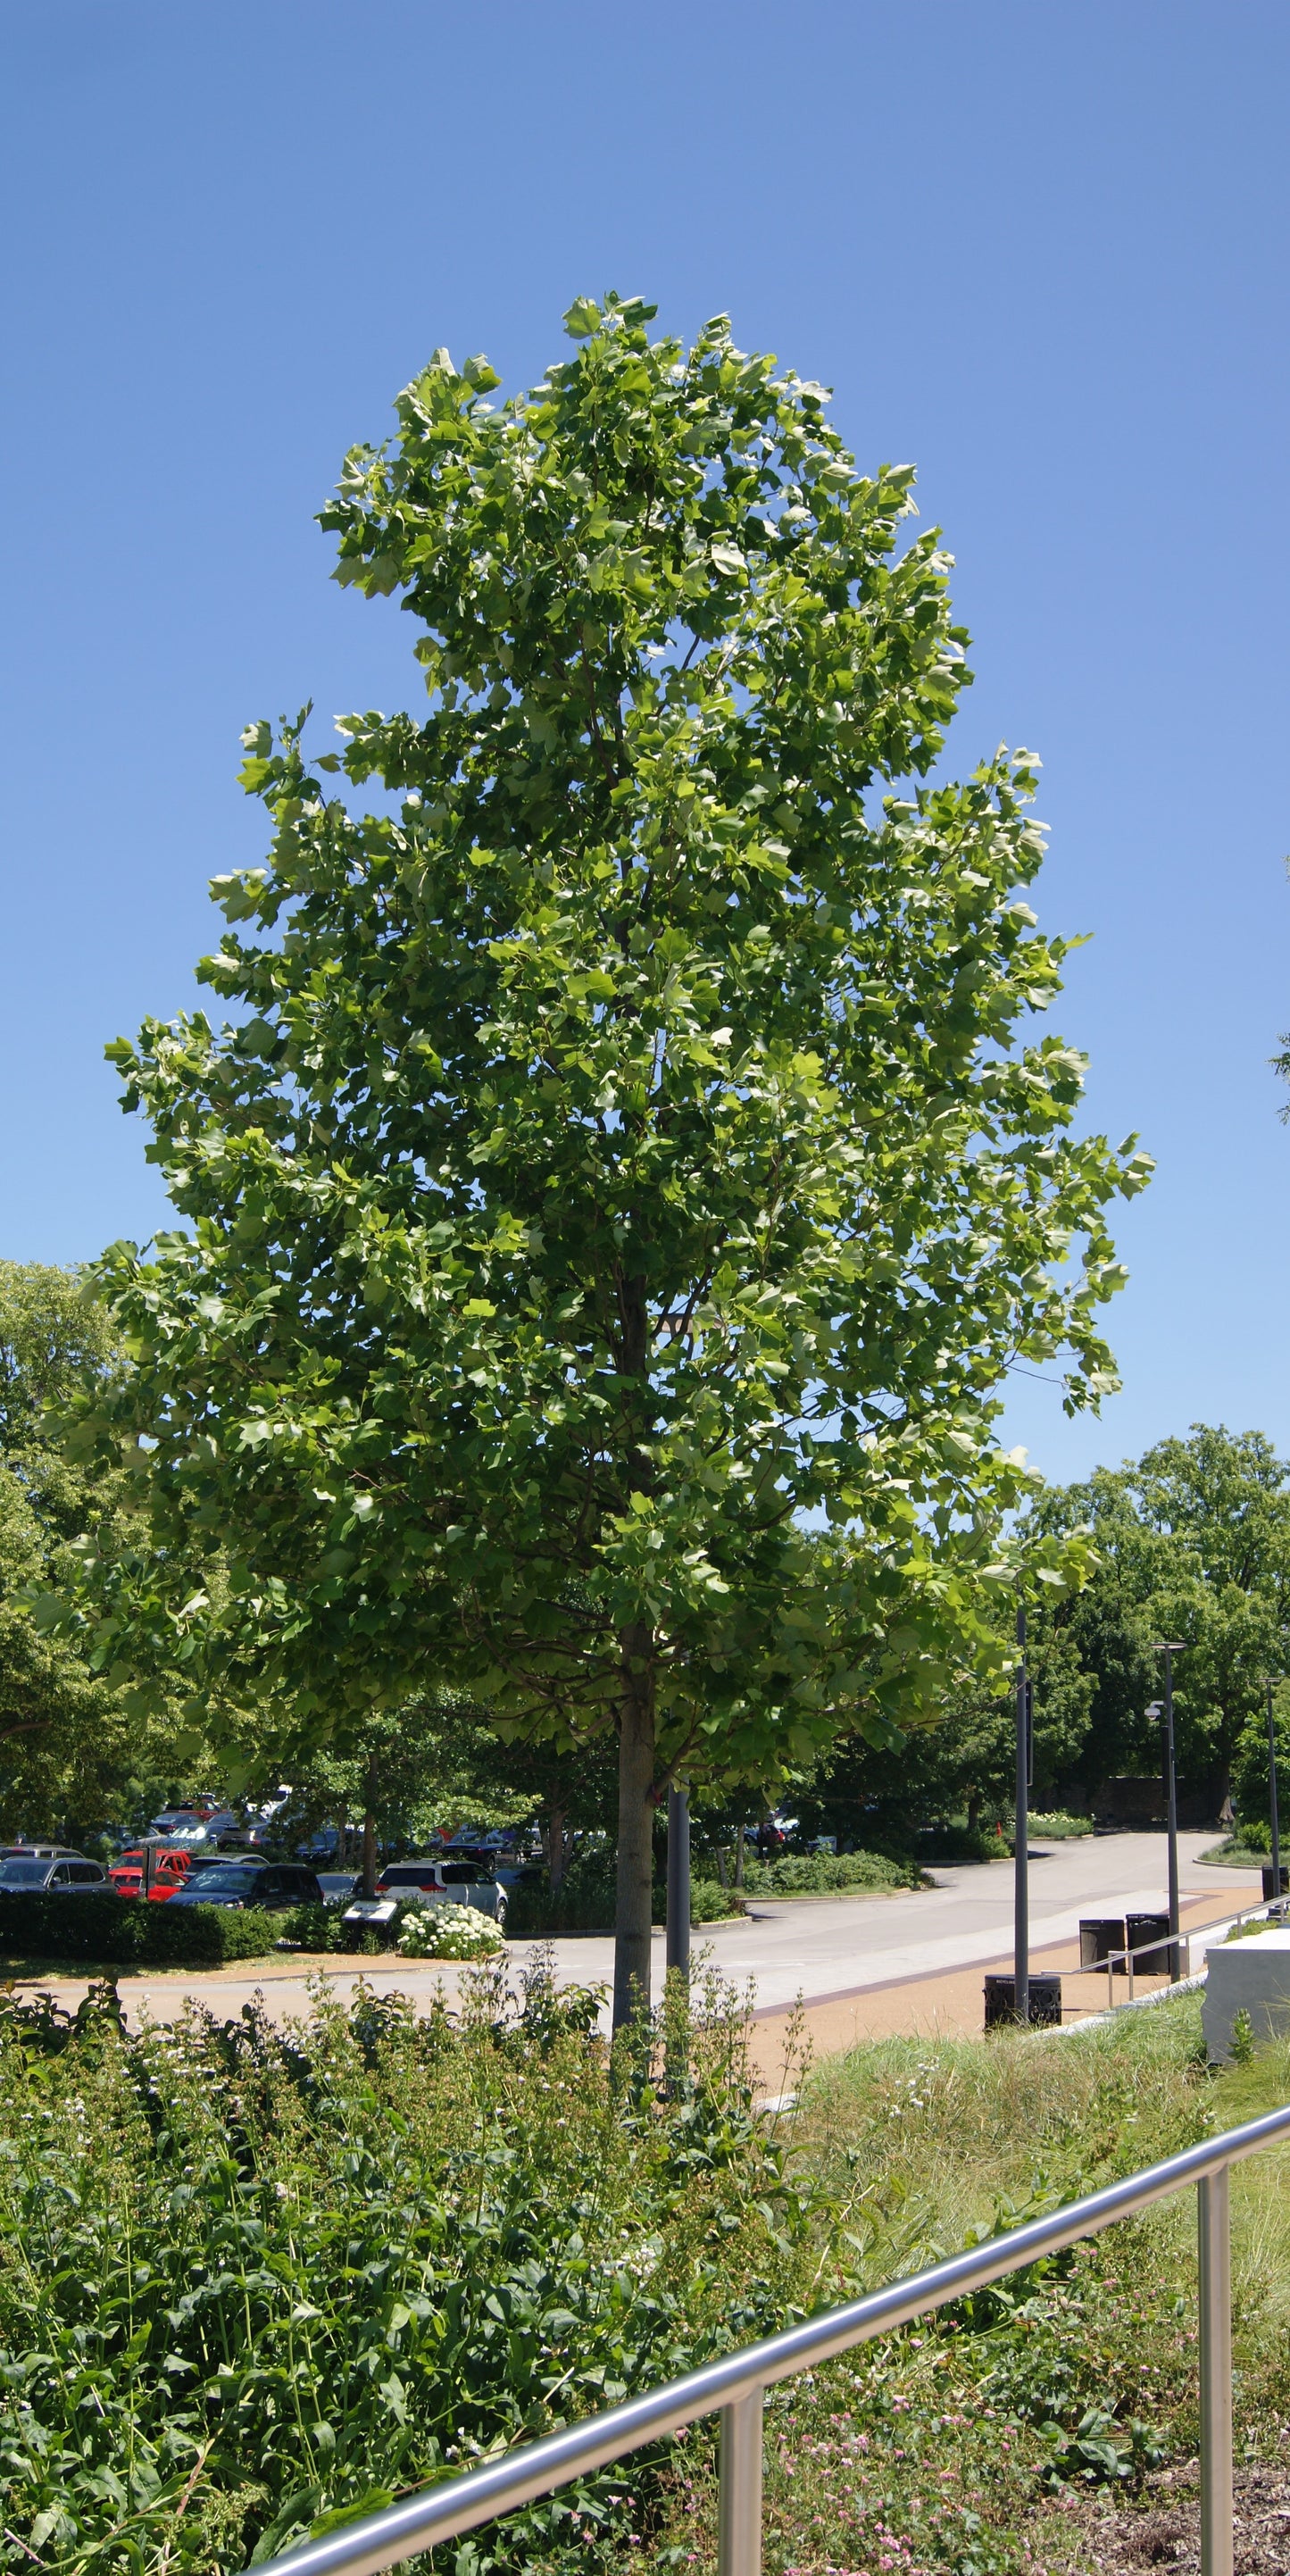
(273, 1884)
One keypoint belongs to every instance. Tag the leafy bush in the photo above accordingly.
(448, 1932)
(323, 1927)
(710, 1902)
(585, 1901)
(267, 2275)
(1059, 1827)
(820, 1873)
(135, 1932)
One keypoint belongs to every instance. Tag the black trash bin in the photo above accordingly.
(1000, 2005)
(1149, 1927)
(1099, 1935)
(1269, 1890)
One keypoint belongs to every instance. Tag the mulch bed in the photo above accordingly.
(1163, 2530)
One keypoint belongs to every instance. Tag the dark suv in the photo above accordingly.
(274, 1884)
(67, 1875)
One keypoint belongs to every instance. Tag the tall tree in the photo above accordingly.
(67, 1745)
(627, 1147)
(1193, 1544)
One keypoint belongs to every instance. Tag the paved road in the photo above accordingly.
(814, 1948)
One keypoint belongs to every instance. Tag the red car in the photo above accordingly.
(169, 1871)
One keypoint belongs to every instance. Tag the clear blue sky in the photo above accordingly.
(1040, 250)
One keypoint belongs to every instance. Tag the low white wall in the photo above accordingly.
(1246, 1976)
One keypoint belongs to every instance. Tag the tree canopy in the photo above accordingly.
(626, 1146)
(1193, 1545)
(68, 1747)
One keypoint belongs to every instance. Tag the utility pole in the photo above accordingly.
(1272, 1800)
(1021, 1850)
(1169, 1650)
(678, 1879)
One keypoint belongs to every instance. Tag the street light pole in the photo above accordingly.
(1169, 1650)
(678, 1879)
(1021, 1852)
(1272, 1798)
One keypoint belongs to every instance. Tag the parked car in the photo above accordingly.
(68, 1875)
(170, 1870)
(486, 1843)
(39, 1851)
(189, 1824)
(338, 1885)
(273, 1884)
(436, 1881)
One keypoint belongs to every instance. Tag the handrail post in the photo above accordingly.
(1215, 2252)
(739, 2541)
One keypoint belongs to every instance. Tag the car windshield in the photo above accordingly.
(24, 1873)
(225, 1882)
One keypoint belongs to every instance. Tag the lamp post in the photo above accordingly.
(678, 1879)
(1020, 1847)
(1169, 1650)
(1272, 1801)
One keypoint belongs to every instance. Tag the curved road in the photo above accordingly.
(815, 1947)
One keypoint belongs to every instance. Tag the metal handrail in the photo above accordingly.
(735, 2384)
(1272, 1906)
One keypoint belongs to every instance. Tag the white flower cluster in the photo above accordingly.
(448, 1932)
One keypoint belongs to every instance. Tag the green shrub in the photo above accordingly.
(710, 1902)
(324, 1928)
(267, 2276)
(132, 1931)
(586, 1900)
(822, 1873)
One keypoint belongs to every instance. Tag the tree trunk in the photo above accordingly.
(739, 1858)
(973, 1810)
(635, 1826)
(369, 1833)
(557, 1848)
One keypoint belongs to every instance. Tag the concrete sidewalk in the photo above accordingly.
(951, 2004)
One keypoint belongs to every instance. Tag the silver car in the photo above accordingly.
(429, 1882)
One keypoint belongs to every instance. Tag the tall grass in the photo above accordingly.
(966, 2444)
(253, 2280)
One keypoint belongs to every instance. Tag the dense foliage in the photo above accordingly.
(135, 1932)
(68, 1745)
(253, 2279)
(1190, 1542)
(628, 1139)
(248, 2278)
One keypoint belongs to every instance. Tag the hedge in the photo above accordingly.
(585, 1903)
(134, 1931)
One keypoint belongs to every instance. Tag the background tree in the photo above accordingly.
(626, 1147)
(427, 1766)
(71, 1749)
(1251, 1776)
(962, 1761)
(1193, 1543)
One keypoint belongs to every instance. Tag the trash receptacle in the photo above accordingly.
(1149, 1927)
(1000, 2000)
(1269, 1890)
(1099, 1935)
